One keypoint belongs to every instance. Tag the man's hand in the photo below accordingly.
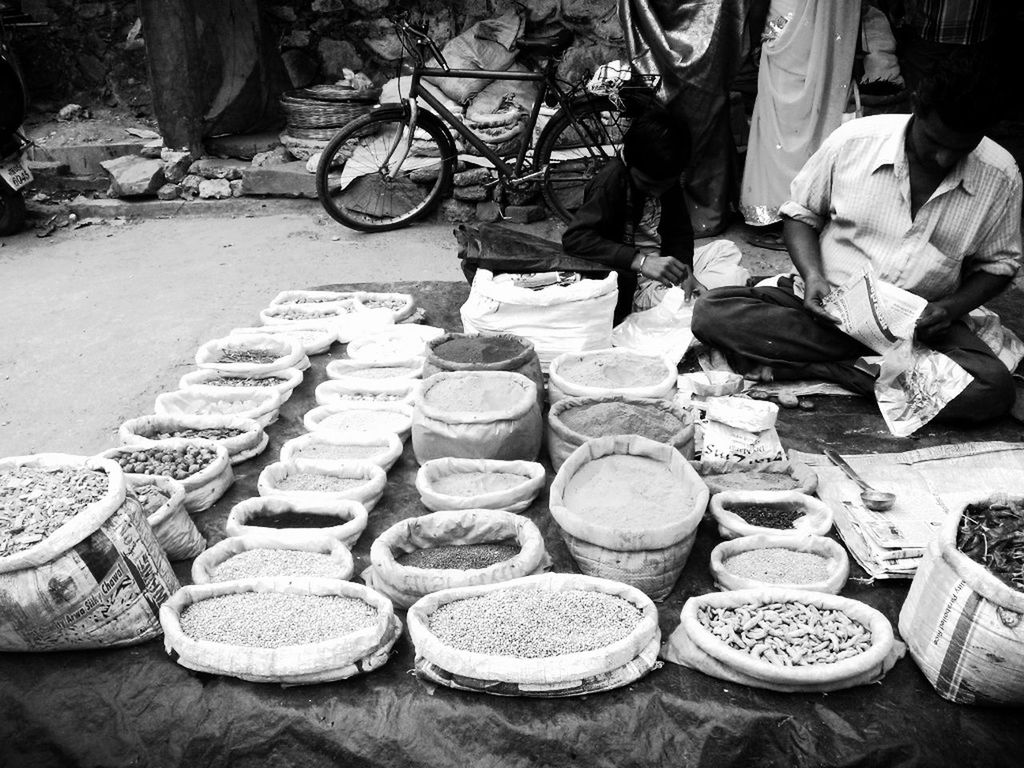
(816, 288)
(935, 318)
(667, 270)
(691, 286)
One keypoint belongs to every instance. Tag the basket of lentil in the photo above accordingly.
(268, 555)
(243, 438)
(574, 420)
(163, 504)
(52, 508)
(455, 548)
(301, 482)
(361, 417)
(810, 562)
(201, 466)
(364, 371)
(963, 618)
(312, 297)
(315, 339)
(402, 341)
(332, 391)
(548, 635)
(786, 640)
(479, 484)
(249, 355)
(259, 404)
(292, 631)
(329, 449)
(628, 509)
(344, 520)
(283, 382)
(477, 415)
(747, 513)
(797, 477)
(611, 372)
(401, 305)
(475, 352)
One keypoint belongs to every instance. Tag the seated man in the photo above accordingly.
(930, 204)
(633, 218)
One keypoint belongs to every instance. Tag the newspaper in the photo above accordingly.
(929, 483)
(878, 314)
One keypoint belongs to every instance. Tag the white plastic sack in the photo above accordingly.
(663, 330)
(739, 433)
(556, 319)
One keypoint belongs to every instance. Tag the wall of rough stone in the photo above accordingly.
(94, 50)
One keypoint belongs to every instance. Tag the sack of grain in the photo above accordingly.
(243, 438)
(628, 509)
(479, 484)
(477, 415)
(273, 555)
(817, 642)
(361, 417)
(965, 626)
(249, 355)
(258, 404)
(312, 297)
(810, 562)
(87, 574)
(491, 352)
(781, 513)
(323, 314)
(280, 630)
(301, 482)
(329, 449)
(401, 342)
(315, 339)
(383, 370)
(611, 372)
(549, 635)
(163, 502)
(333, 391)
(401, 305)
(283, 381)
(556, 319)
(344, 520)
(574, 420)
(204, 483)
(455, 548)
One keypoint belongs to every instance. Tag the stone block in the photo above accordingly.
(379, 36)
(152, 149)
(371, 7)
(133, 176)
(286, 180)
(242, 146)
(218, 168)
(87, 159)
(524, 214)
(456, 211)
(168, 192)
(470, 194)
(488, 211)
(425, 175)
(338, 55)
(190, 185)
(302, 68)
(472, 176)
(176, 164)
(214, 189)
(236, 188)
(275, 156)
(328, 6)
(297, 38)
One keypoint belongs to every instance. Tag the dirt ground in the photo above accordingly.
(97, 321)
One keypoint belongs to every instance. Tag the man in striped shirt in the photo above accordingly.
(928, 204)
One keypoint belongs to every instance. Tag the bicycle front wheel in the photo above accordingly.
(573, 148)
(359, 179)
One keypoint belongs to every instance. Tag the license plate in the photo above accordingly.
(16, 173)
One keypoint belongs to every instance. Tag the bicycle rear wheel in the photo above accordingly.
(573, 151)
(355, 178)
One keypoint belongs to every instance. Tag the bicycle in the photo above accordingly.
(393, 166)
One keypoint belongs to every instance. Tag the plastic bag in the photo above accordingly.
(740, 433)
(914, 384)
(663, 330)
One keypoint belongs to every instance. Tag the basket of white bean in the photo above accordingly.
(280, 630)
(784, 640)
(256, 555)
(549, 635)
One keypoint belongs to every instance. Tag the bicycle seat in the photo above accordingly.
(546, 45)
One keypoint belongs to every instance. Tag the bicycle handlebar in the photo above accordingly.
(419, 39)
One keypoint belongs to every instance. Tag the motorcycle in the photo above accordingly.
(14, 172)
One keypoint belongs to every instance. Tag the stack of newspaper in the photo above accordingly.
(930, 484)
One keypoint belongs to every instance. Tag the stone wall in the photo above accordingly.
(94, 50)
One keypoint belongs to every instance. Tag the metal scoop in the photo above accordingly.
(879, 501)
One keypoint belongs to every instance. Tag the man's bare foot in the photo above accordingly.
(761, 373)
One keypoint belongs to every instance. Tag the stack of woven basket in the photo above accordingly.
(317, 113)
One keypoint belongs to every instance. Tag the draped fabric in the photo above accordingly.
(803, 84)
(696, 47)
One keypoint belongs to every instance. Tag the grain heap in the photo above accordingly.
(179, 463)
(282, 312)
(461, 556)
(376, 302)
(746, 481)
(247, 355)
(212, 433)
(293, 520)
(613, 370)
(779, 565)
(479, 349)
(767, 515)
(534, 623)
(243, 381)
(263, 562)
(36, 502)
(787, 634)
(338, 452)
(383, 372)
(620, 418)
(275, 619)
(366, 420)
(476, 483)
(219, 407)
(315, 481)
